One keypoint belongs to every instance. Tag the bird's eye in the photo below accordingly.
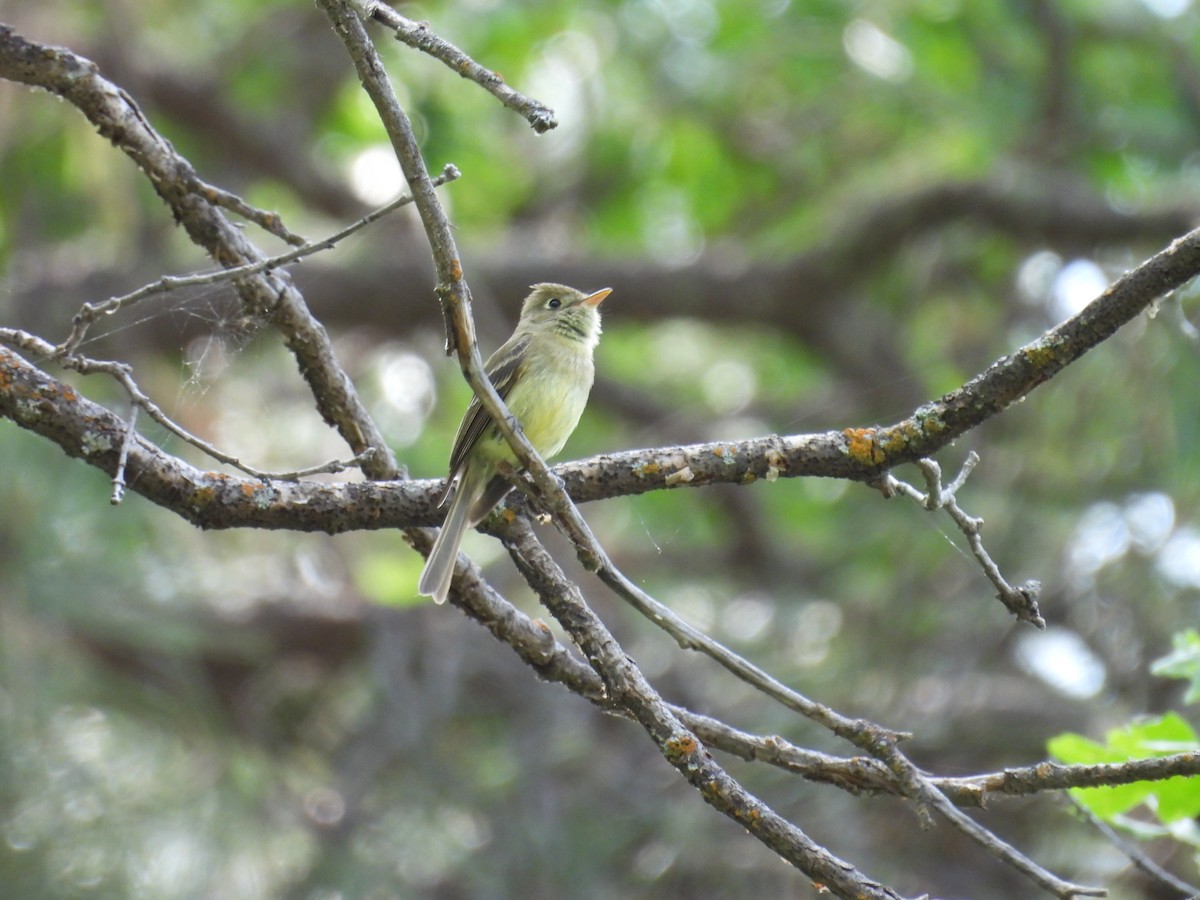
(553, 303)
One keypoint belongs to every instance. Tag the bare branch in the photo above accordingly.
(118, 118)
(862, 775)
(90, 312)
(419, 36)
(122, 373)
(860, 453)
(1020, 601)
(630, 690)
(452, 287)
(877, 741)
(1139, 859)
(1010, 855)
(270, 222)
(1047, 776)
(118, 482)
(859, 732)
(622, 679)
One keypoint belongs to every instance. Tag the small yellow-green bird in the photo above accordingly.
(544, 373)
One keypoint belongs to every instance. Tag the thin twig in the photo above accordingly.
(1020, 601)
(419, 36)
(123, 374)
(1139, 859)
(270, 222)
(864, 775)
(117, 117)
(858, 731)
(879, 742)
(452, 287)
(1046, 776)
(118, 482)
(1006, 852)
(90, 312)
(333, 467)
(631, 691)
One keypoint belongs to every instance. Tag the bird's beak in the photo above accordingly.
(596, 298)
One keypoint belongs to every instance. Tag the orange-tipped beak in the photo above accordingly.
(597, 298)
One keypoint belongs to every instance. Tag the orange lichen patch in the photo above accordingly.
(456, 270)
(862, 444)
(508, 516)
(678, 748)
(929, 420)
(891, 440)
(750, 815)
(650, 468)
(712, 790)
(249, 489)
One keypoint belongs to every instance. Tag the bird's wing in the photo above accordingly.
(502, 370)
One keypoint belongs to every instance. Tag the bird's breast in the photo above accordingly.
(550, 398)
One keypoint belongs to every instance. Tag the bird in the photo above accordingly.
(544, 373)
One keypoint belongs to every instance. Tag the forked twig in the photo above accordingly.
(1021, 601)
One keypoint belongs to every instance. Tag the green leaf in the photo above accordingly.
(1075, 749)
(1182, 662)
(1171, 800)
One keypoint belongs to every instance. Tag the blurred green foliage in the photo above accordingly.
(1183, 662)
(1167, 801)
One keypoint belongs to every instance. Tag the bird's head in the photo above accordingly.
(564, 311)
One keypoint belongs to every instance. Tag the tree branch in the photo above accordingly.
(1020, 601)
(90, 312)
(48, 407)
(452, 286)
(859, 453)
(630, 691)
(118, 118)
(1139, 859)
(419, 36)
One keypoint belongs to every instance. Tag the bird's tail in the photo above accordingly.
(439, 567)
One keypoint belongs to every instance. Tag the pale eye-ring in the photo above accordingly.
(553, 303)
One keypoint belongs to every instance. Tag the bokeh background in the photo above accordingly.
(814, 215)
